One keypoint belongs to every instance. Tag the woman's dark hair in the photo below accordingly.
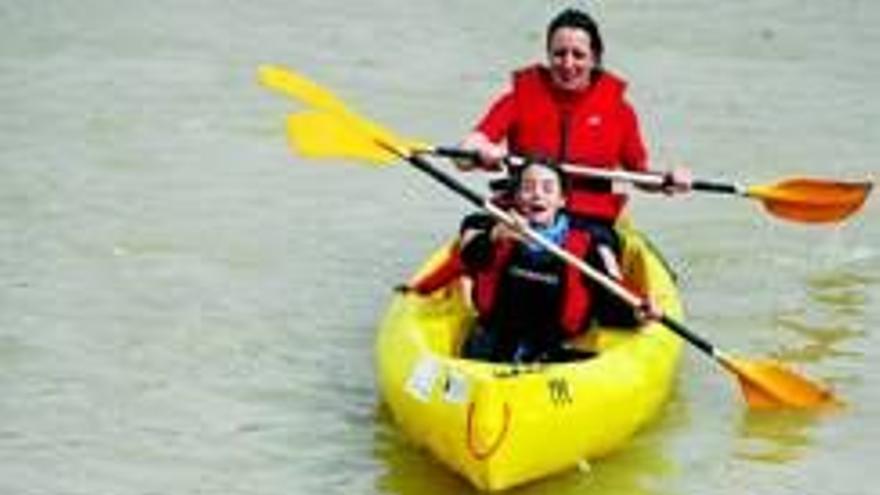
(577, 19)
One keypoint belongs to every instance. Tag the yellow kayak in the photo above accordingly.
(501, 425)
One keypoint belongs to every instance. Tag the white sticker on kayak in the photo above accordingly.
(456, 389)
(421, 380)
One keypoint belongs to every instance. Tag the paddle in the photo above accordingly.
(801, 199)
(765, 384)
(806, 200)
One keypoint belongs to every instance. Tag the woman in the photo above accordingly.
(574, 111)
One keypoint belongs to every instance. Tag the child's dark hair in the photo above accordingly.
(517, 174)
(577, 19)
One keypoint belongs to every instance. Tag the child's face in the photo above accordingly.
(540, 197)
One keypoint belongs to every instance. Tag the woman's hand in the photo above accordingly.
(491, 154)
(677, 180)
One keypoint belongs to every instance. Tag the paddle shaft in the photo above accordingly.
(694, 339)
(445, 179)
(802, 200)
(771, 387)
(642, 178)
(764, 386)
(608, 283)
(502, 215)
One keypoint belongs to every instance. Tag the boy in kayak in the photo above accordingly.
(529, 302)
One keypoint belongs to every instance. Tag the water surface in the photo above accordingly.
(186, 308)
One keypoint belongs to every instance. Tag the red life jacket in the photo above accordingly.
(443, 274)
(595, 127)
(576, 295)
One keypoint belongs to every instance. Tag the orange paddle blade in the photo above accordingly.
(812, 200)
(767, 384)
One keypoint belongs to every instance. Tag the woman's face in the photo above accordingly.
(540, 197)
(571, 60)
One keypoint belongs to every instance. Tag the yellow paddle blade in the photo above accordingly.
(298, 87)
(812, 200)
(767, 384)
(322, 99)
(316, 134)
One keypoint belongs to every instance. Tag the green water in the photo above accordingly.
(185, 308)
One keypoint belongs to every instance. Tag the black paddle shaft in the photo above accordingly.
(718, 187)
(478, 201)
(697, 341)
(447, 180)
(459, 153)
(519, 161)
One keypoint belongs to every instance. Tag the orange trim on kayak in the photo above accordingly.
(471, 443)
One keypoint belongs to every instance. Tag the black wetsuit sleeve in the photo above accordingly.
(478, 252)
(612, 311)
(609, 309)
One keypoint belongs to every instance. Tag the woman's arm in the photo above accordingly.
(634, 157)
(489, 137)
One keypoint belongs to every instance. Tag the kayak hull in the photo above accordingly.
(502, 425)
